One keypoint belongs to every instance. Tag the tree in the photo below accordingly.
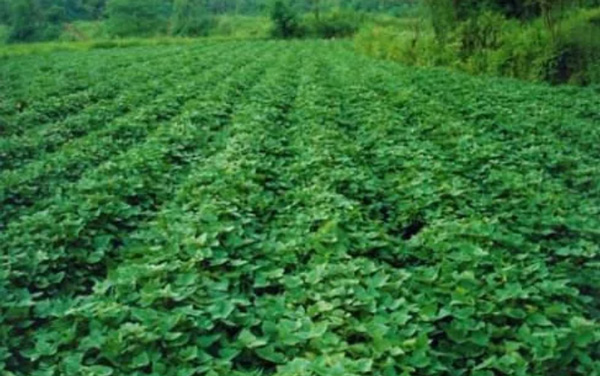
(4, 12)
(136, 17)
(190, 18)
(285, 20)
(93, 9)
(521, 9)
(316, 5)
(25, 20)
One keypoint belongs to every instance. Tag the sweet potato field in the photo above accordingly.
(293, 209)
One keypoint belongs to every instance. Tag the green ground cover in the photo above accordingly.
(291, 208)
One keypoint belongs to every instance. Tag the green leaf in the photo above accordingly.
(140, 360)
(249, 340)
(100, 370)
(268, 353)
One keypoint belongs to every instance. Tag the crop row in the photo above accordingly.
(102, 86)
(142, 86)
(113, 199)
(300, 210)
(25, 188)
(204, 193)
(38, 81)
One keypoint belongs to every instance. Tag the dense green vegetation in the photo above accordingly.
(291, 208)
(557, 41)
(41, 20)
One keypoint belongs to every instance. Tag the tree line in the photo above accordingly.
(37, 20)
(31, 20)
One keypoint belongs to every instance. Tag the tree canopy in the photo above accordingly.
(42, 19)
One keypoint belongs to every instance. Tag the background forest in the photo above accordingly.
(556, 41)
(35, 20)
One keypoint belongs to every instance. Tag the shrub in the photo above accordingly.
(25, 21)
(522, 54)
(480, 33)
(84, 30)
(239, 26)
(577, 51)
(135, 17)
(4, 33)
(189, 19)
(491, 44)
(337, 23)
(285, 21)
(416, 47)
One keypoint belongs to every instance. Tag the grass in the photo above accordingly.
(45, 48)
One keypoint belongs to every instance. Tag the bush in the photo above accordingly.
(568, 55)
(285, 21)
(189, 19)
(480, 33)
(84, 30)
(136, 17)
(25, 21)
(491, 44)
(4, 33)
(409, 47)
(338, 23)
(238, 26)
(193, 27)
(576, 57)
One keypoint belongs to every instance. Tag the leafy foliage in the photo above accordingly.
(285, 21)
(188, 18)
(136, 17)
(271, 208)
(39, 20)
(337, 23)
(557, 47)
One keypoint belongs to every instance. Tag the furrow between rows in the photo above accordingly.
(103, 83)
(142, 86)
(23, 190)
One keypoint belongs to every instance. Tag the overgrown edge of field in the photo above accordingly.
(15, 50)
